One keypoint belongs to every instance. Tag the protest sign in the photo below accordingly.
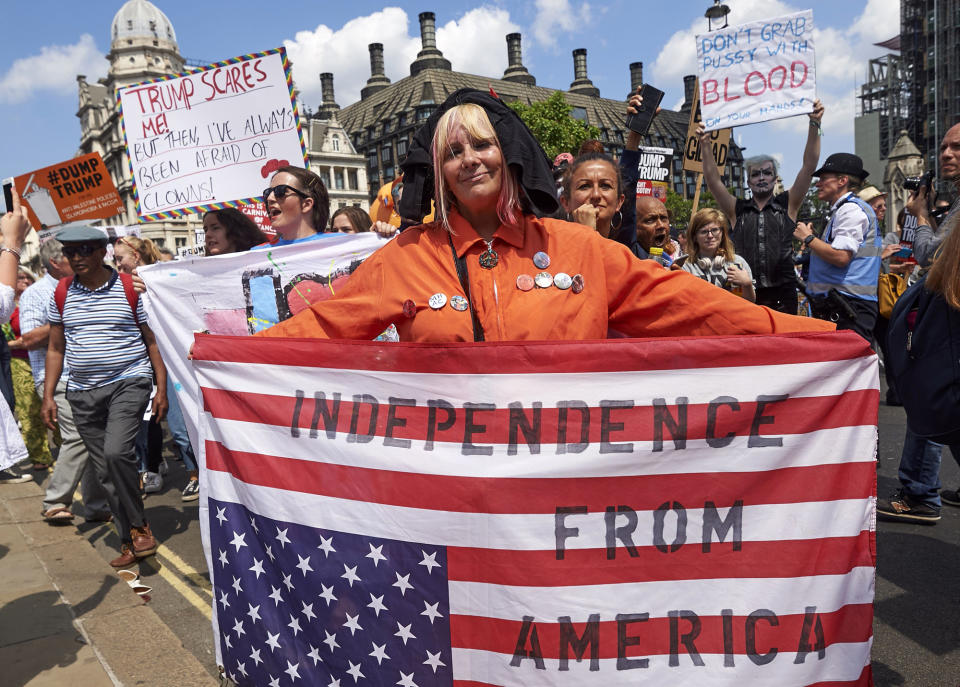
(239, 294)
(258, 213)
(78, 189)
(542, 513)
(654, 170)
(210, 138)
(907, 235)
(720, 142)
(758, 71)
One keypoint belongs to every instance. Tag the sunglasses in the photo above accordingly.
(83, 250)
(281, 191)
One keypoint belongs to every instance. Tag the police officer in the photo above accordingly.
(845, 261)
(763, 225)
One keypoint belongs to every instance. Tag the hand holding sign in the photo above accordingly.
(758, 71)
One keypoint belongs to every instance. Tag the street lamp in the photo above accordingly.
(717, 12)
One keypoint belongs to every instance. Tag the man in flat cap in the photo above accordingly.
(98, 325)
(845, 261)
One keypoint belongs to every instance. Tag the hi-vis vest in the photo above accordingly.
(859, 278)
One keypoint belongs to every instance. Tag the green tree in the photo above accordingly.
(552, 125)
(681, 209)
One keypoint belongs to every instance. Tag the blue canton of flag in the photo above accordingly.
(299, 605)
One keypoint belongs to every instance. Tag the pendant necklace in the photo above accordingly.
(489, 257)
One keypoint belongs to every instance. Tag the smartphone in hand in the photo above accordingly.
(8, 193)
(640, 122)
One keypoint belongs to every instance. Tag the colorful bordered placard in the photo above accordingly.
(209, 138)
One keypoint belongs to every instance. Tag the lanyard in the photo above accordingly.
(461, 265)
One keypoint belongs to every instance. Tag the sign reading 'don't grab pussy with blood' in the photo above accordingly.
(203, 140)
(758, 71)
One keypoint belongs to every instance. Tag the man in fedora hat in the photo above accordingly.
(845, 260)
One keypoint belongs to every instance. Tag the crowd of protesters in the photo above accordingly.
(81, 372)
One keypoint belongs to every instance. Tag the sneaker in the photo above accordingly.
(152, 482)
(144, 543)
(902, 507)
(10, 477)
(191, 492)
(951, 497)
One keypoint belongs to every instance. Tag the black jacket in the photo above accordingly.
(520, 149)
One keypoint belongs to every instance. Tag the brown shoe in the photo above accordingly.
(125, 559)
(143, 542)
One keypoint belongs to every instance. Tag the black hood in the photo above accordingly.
(520, 149)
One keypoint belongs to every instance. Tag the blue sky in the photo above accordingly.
(48, 43)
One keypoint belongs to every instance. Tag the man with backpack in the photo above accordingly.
(99, 327)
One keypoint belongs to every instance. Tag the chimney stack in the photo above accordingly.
(515, 70)
(329, 105)
(636, 76)
(689, 92)
(378, 79)
(430, 56)
(581, 84)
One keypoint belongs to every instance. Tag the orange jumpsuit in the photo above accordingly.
(635, 297)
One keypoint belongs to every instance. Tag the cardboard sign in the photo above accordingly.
(654, 171)
(758, 71)
(258, 213)
(720, 141)
(210, 138)
(78, 189)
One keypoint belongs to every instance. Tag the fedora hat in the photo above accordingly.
(843, 163)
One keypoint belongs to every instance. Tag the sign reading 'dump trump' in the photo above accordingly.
(208, 139)
(541, 513)
(71, 191)
(758, 71)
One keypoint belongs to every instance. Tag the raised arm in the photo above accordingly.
(811, 156)
(711, 173)
(629, 170)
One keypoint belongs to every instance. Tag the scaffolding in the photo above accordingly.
(886, 92)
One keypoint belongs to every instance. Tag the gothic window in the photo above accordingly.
(336, 143)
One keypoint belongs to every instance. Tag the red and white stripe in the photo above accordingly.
(808, 514)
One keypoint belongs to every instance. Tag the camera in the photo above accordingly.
(915, 183)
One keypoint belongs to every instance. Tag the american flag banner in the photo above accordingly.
(684, 512)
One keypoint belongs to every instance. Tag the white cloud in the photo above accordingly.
(476, 43)
(55, 70)
(553, 16)
(473, 43)
(339, 52)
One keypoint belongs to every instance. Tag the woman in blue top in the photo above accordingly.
(298, 206)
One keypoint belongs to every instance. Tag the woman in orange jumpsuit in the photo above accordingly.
(488, 269)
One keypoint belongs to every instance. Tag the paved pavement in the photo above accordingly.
(67, 619)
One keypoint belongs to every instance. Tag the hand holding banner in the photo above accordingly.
(758, 71)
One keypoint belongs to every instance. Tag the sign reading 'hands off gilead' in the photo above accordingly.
(758, 71)
(201, 140)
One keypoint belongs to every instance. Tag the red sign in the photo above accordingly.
(258, 213)
(74, 190)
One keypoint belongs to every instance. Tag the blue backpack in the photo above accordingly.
(923, 344)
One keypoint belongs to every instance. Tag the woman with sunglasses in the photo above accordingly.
(298, 206)
(490, 268)
(712, 257)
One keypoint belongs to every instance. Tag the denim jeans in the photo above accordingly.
(178, 428)
(920, 468)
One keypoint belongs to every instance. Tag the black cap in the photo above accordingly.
(843, 163)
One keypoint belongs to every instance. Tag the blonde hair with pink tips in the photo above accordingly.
(476, 124)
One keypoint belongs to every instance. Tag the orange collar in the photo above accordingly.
(465, 236)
